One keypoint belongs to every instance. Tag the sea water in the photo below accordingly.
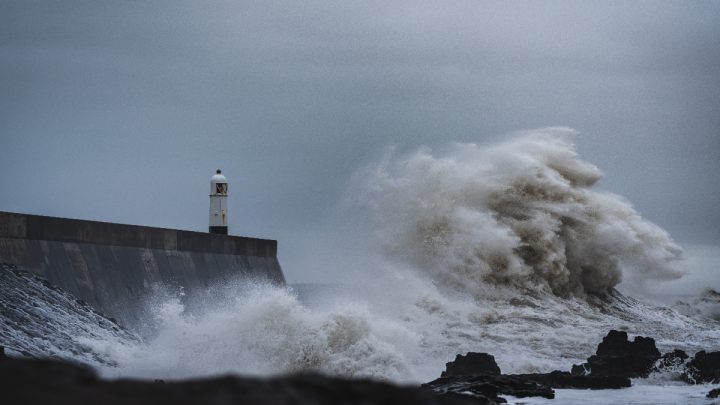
(509, 249)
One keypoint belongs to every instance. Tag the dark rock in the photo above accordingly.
(671, 360)
(616, 356)
(704, 368)
(714, 393)
(580, 369)
(478, 375)
(58, 383)
(563, 379)
(490, 387)
(472, 364)
(475, 388)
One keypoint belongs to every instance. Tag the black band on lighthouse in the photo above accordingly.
(222, 230)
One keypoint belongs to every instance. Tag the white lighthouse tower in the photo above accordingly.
(218, 203)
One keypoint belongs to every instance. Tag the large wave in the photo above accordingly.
(523, 212)
(506, 249)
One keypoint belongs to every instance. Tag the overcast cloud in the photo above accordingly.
(121, 111)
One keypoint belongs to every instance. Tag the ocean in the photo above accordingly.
(510, 250)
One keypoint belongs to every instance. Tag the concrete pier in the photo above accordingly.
(114, 267)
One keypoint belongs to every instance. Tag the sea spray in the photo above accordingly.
(522, 213)
(505, 249)
(262, 329)
(405, 335)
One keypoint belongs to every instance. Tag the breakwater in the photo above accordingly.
(115, 267)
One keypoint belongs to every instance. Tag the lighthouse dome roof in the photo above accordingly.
(218, 177)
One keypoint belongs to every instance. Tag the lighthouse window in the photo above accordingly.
(221, 188)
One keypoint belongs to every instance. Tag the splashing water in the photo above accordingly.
(506, 249)
(520, 213)
(263, 330)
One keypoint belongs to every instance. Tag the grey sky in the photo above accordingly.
(121, 110)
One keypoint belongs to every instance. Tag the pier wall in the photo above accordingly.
(116, 267)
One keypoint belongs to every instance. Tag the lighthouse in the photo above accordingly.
(218, 203)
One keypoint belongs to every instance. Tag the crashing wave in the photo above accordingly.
(523, 213)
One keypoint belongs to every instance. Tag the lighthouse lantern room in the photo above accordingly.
(218, 203)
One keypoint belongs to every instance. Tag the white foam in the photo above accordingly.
(523, 212)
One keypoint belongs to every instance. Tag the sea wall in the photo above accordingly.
(116, 267)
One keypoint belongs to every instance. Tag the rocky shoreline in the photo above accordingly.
(615, 362)
(474, 378)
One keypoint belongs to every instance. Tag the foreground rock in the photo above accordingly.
(673, 360)
(483, 364)
(478, 375)
(704, 368)
(714, 393)
(616, 356)
(471, 364)
(488, 388)
(53, 382)
(616, 361)
(564, 379)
